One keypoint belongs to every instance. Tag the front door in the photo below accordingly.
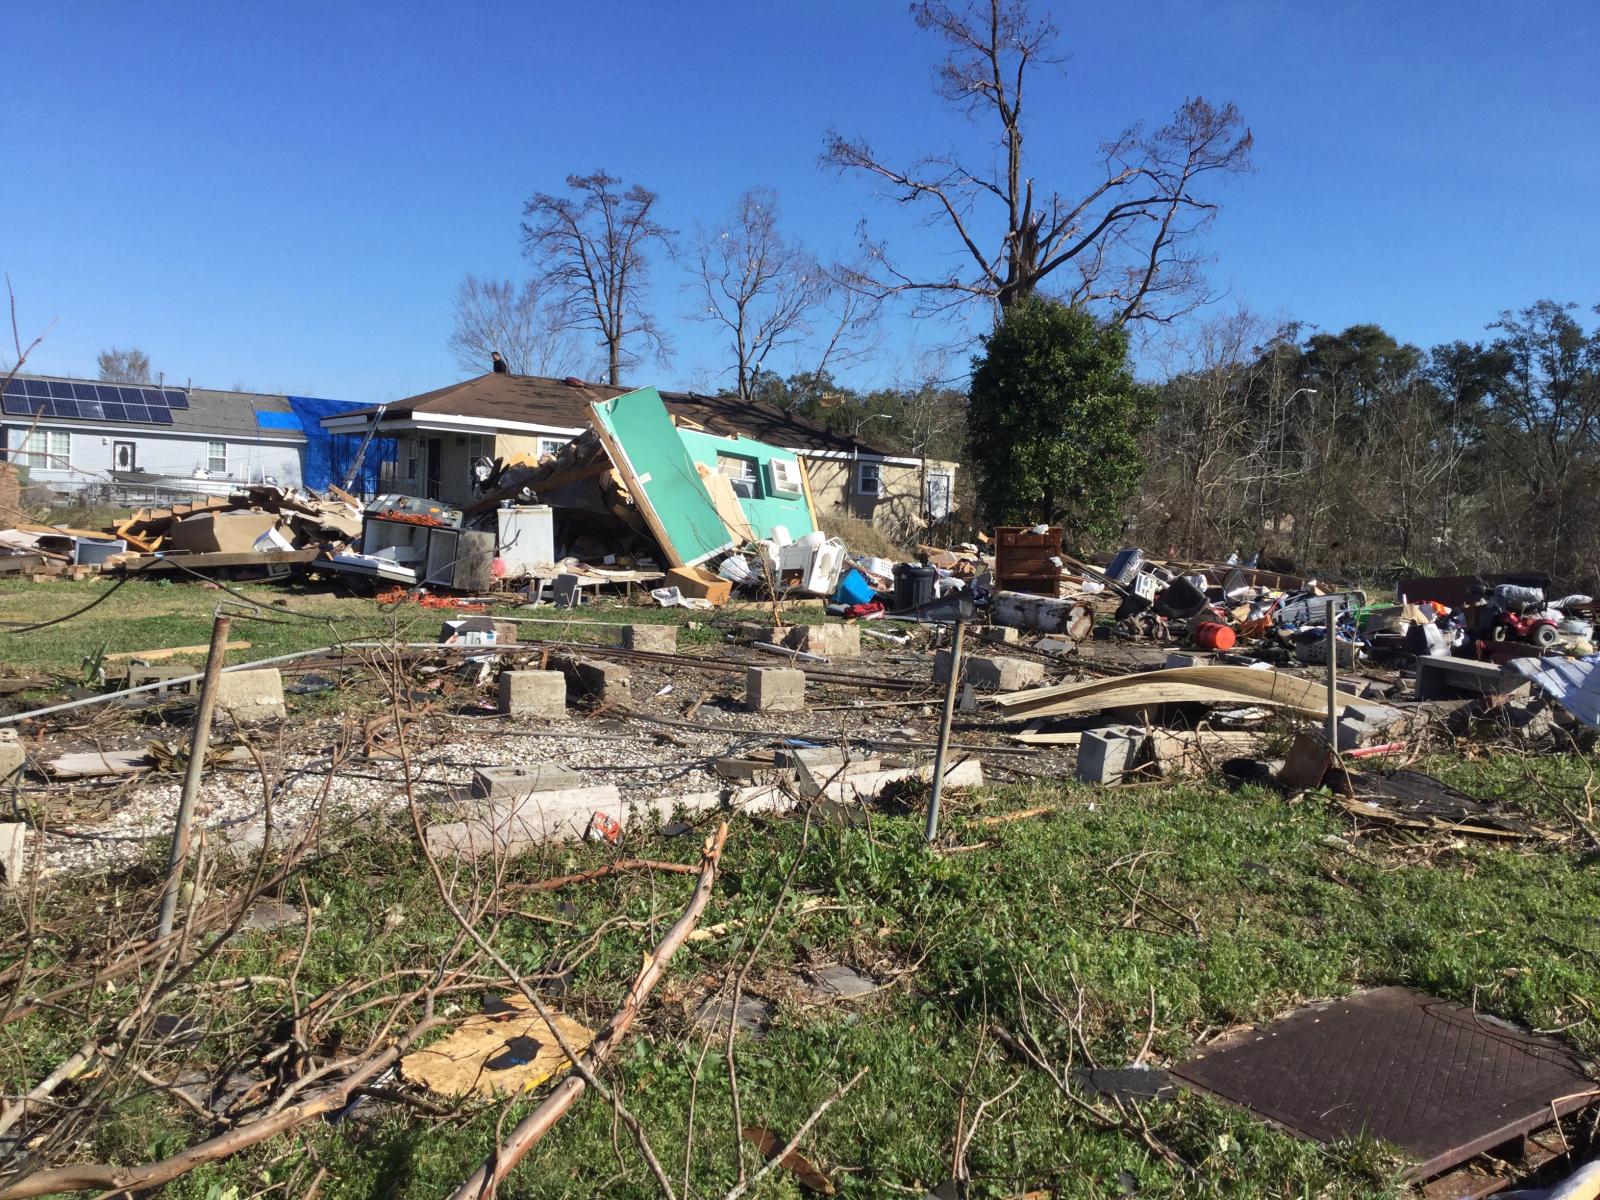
(124, 456)
(434, 468)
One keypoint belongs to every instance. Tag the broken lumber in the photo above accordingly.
(1178, 685)
(151, 656)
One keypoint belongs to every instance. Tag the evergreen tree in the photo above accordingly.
(1053, 422)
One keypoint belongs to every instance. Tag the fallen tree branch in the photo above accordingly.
(740, 1189)
(528, 1132)
(104, 1177)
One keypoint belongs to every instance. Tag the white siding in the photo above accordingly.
(165, 454)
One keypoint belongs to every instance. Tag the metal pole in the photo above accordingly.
(199, 741)
(944, 730)
(1333, 680)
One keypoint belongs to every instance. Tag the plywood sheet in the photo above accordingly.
(643, 443)
(501, 1052)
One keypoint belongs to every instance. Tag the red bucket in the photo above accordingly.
(1212, 635)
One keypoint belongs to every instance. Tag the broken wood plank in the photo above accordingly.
(151, 656)
(1178, 685)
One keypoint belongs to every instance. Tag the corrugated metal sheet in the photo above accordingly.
(1572, 683)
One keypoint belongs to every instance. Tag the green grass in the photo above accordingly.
(159, 614)
(1259, 910)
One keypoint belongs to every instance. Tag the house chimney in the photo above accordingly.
(499, 364)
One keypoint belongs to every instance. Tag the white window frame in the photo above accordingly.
(949, 494)
(869, 470)
(212, 457)
(479, 445)
(413, 457)
(548, 445)
(742, 472)
(54, 451)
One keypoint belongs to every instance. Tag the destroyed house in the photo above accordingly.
(69, 435)
(440, 435)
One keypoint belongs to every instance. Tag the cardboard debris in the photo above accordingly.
(500, 1052)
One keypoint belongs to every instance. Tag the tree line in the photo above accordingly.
(1352, 450)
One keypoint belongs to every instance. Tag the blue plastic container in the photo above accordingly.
(853, 588)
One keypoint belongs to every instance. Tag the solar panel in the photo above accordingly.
(74, 401)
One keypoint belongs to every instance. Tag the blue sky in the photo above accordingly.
(284, 195)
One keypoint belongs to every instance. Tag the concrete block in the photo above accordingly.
(1440, 678)
(505, 633)
(1187, 658)
(752, 770)
(990, 672)
(1363, 724)
(250, 697)
(607, 682)
(1056, 645)
(821, 767)
(831, 641)
(13, 757)
(496, 783)
(1104, 755)
(774, 689)
(1004, 634)
(660, 639)
(139, 676)
(968, 773)
(533, 694)
(514, 826)
(13, 850)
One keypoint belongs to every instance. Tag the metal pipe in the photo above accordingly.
(1333, 677)
(943, 746)
(199, 742)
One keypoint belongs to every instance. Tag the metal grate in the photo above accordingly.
(1432, 1078)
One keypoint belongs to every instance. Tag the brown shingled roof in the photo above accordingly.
(537, 400)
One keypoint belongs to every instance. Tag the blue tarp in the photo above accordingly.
(329, 455)
(278, 420)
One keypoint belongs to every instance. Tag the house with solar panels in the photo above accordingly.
(127, 440)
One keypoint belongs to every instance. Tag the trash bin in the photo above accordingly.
(913, 586)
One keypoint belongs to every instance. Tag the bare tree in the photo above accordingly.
(755, 283)
(16, 339)
(495, 314)
(124, 366)
(590, 252)
(1125, 246)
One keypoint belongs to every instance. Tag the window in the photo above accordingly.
(742, 473)
(411, 458)
(869, 479)
(551, 446)
(938, 498)
(44, 449)
(217, 458)
(479, 446)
